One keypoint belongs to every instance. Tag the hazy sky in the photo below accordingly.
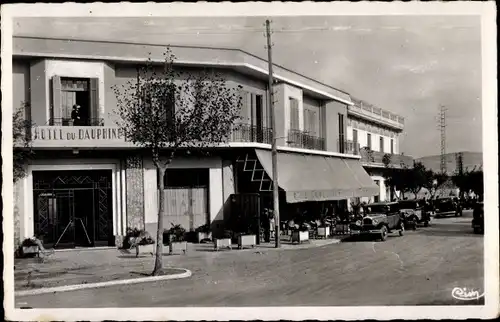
(406, 64)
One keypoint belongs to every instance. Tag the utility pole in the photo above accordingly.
(442, 129)
(276, 208)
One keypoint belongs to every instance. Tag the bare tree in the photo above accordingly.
(21, 139)
(165, 110)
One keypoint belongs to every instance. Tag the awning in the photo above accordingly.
(318, 178)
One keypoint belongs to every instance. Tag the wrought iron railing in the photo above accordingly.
(348, 147)
(300, 139)
(251, 133)
(71, 122)
(394, 160)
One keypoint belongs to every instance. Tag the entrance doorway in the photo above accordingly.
(73, 208)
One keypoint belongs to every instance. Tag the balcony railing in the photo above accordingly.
(377, 158)
(376, 113)
(300, 139)
(70, 122)
(374, 157)
(251, 133)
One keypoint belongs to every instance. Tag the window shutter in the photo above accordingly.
(314, 123)
(294, 114)
(56, 113)
(94, 101)
(171, 108)
(306, 121)
(245, 111)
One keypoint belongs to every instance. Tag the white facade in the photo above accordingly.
(375, 138)
(216, 191)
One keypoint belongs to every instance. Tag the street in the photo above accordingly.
(420, 268)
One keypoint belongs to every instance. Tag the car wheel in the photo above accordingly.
(402, 229)
(426, 224)
(383, 233)
(477, 230)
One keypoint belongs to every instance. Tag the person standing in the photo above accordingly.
(76, 115)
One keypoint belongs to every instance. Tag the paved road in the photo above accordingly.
(421, 267)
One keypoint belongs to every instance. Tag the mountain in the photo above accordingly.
(469, 161)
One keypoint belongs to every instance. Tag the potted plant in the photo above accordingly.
(177, 239)
(323, 230)
(224, 242)
(203, 233)
(301, 235)
(246, 239)
(139, 239)
(29, 247)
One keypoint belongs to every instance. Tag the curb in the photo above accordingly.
(76, 287)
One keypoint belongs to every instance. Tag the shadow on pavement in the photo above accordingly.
(365, 238)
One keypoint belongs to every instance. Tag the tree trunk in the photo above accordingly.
(159, 232)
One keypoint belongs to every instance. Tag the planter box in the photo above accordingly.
(324, 232)
(178, 247)
(31, 250)
(142, 249)
(300, 236)
(222, 243)
(201, 236)
(342, 229)
(247, 240)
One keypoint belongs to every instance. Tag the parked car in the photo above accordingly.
(381, 219)
(447, 206)
(478, 218)
(415, 212)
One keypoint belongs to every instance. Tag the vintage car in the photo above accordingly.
(478, 218)
(381, 219)
(447, 206)
(415, 212)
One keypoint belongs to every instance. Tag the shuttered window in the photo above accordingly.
(311, 122)
(245, 111)
(68, 92)
(381, 144)
(294, 114)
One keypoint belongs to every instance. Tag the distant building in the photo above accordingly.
(372, 133)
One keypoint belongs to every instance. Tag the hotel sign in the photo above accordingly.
(78, 133)
(79, 136)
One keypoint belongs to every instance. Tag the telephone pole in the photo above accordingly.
(276, 202)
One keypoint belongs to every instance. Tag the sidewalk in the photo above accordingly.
(85, 266)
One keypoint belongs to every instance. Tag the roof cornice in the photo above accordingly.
(28, 46)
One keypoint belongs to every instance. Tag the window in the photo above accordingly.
(341, 134)
(392, 146)
(294, 114)
(369, 141)
(162, 103)
(74, 101)
(311, 122)
(381, 144)
(377, 197)
(183, 178)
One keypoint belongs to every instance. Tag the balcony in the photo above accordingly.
(374, 158)
(251, 133)
(348, 147)
(300, 139)
(376, 114)
(70, 122)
